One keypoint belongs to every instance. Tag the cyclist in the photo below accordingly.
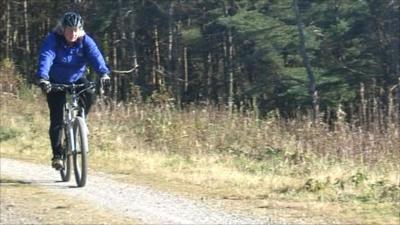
(63, 58)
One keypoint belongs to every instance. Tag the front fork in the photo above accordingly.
(69, 128)
(71, 112)
(71, 140)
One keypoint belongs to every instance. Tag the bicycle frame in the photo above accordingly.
(71, 108)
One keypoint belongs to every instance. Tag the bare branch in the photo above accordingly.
(126, 71)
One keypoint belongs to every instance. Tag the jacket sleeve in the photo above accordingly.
(46, 57)
(95, 57)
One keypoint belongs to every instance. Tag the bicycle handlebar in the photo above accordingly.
(69, 87)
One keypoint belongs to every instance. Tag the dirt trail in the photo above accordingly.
(27, 203)
(140, 203)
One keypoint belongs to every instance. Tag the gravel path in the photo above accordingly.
(9, 216)
(139, 202)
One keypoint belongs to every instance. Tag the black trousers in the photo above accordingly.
(56, 102)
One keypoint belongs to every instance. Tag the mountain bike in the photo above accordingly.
(74, 133)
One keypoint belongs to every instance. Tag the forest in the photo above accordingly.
(286, 56)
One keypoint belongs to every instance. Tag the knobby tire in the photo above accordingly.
(80, 155)
(65, 172)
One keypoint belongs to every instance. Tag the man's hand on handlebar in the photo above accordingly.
(105, 80)
(45, 85)
(105, 83)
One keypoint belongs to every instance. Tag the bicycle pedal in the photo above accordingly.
(58, 167)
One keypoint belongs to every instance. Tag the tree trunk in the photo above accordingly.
(231, 69)
(8, 31)
(363, 107)
(170, 60)
(306, 61)
(153, 80)
(170, 36)
(223, 68)
(159, 79)
(26, 25)
(15, 24)
(114, 65)
(394, 28)
(185, 69)
(134, 55)
(209, 71)
(27, 63)
(178, 70)
(398, 103)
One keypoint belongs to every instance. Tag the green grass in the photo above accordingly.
(7, 133)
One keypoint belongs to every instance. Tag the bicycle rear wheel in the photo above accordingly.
(65, 172)
(80, 155)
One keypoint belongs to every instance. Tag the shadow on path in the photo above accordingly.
(21, 183)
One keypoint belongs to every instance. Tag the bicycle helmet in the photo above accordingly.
(72, 19)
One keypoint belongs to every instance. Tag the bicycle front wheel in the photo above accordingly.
(80, 153)
(65, 172)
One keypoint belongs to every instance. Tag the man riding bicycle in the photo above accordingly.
(63, 58)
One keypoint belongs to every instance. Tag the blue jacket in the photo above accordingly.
(65, 64)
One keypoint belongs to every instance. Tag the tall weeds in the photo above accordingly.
(370, 135)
